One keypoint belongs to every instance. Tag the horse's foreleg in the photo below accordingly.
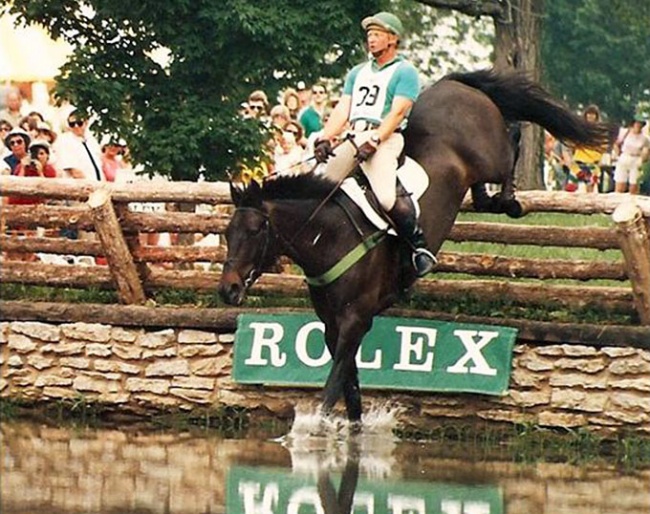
(343, 380)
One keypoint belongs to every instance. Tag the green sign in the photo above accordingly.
(276, 491)
(398, 353)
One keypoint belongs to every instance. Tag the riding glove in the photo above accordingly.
(322, 150)
(365, 151)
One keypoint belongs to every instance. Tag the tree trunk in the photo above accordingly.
(517, 46)
(518, 25)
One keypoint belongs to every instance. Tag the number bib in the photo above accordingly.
(369, 94)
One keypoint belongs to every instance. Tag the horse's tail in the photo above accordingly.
(520, 99)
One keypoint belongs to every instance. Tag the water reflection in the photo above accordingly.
(65, 470)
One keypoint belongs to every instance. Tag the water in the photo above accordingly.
(318, 467)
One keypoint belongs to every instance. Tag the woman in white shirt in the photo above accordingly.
(633, 147)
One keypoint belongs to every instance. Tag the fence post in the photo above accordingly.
(120, 260)
(635, 245)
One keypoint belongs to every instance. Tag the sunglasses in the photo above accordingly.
(256, 107)
(16, 142)
(294, 132)
(77, 123)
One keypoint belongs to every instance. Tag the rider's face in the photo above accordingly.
(379, 40)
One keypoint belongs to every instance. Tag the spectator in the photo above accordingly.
(5, 128)
(34, 165)
(17, 141)
(12, 111)
(291, 100)
(304, 94)
(280, 116)
(584, 165)
(37, 165)
(633, 147)
(288, 155)
(112, 161)
(312, 117)
(78, 152)
(45, 131)
(258, 105)
(244, 110)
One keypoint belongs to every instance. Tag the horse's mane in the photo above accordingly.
(290, 187)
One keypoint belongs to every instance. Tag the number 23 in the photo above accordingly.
(369, 95)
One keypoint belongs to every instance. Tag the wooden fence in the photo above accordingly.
(133, 271)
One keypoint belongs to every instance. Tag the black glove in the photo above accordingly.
(365, 151)
(322, 150)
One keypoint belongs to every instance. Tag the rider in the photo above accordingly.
(376, 101)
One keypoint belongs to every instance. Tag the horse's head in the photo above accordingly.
(249, 237)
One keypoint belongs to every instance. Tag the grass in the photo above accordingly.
(531, 443)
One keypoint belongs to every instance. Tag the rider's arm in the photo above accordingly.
(338, 118)
(398, 111)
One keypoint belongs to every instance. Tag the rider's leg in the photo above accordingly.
(381, 171)
(404, 219)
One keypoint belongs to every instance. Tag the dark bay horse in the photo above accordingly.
(462, 131)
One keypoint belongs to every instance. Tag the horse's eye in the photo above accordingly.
(256, 229)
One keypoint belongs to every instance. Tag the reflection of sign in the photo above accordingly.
(275, 491)
(398, 353)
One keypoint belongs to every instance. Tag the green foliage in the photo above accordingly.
(179, 115)
(595, 51)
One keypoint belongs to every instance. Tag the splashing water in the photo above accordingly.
(318, 442)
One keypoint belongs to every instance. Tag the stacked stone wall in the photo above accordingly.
(569, 386)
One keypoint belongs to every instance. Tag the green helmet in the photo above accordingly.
(386, 21)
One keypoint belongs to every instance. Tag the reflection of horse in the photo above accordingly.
(458, 132)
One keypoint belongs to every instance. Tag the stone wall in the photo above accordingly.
(602, 389)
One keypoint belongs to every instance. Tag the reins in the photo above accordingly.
(256, 270)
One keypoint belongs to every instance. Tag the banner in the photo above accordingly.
(276, 491)
(397, 353)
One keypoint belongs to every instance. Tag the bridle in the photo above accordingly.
(257, 268)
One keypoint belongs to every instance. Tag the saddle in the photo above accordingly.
(410, 175)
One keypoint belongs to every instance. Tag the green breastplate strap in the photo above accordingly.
(349, 260)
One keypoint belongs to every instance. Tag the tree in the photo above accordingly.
(179, 115)
(517, 34)
(597, 52)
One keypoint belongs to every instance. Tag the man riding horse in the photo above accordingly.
(376, 101)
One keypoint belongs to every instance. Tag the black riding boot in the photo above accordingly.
(403, 217)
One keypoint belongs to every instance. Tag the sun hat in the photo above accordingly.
(44, 126)
(40, 143)
(385, 20)
(17, 132)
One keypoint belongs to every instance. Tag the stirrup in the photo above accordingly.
(423, 261)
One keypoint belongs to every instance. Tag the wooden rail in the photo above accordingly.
(131, 273)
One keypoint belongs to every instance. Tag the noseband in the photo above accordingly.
(256, 270)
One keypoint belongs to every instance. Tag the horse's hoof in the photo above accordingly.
(513, 209)
(355, 427)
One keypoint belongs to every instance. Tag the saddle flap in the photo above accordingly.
(411, 175)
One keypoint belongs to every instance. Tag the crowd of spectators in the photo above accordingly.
(73, 150)
(621, 166)
(295, 121)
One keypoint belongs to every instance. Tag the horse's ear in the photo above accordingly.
(254, 194)
(236, 193)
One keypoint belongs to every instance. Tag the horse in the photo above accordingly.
(463, 130)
